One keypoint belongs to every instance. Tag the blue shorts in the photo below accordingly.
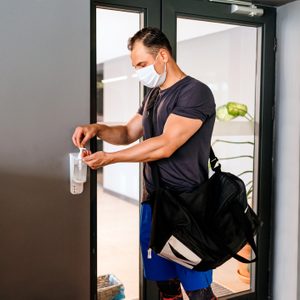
(160, 269)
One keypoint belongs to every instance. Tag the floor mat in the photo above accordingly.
(220, 291)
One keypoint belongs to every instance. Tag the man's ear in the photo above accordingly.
(165, 55)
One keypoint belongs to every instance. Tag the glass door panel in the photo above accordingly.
(227, 58)
(118, 98)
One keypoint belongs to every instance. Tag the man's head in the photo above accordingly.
(152, 38)
(150, 48)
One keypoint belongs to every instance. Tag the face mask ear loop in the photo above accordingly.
(155, 62)
(165, 65)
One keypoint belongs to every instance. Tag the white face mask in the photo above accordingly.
(149, 77)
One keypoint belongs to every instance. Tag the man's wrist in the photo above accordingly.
(99, 130)
(111, 157)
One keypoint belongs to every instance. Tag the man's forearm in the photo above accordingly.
(115, 134)
(149, 150)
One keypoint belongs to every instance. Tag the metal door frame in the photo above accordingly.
(162, 14)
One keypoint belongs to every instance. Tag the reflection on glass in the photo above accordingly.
(118, 185)
(225, 57)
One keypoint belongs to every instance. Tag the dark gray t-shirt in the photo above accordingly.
(188, 166)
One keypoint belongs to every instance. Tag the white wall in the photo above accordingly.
(121, 100)
(112, 39)
(121, 92)
(231, 77)
(225, 61)
(287, 153)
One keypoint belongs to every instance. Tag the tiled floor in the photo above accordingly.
(118, 247)
(118, 241)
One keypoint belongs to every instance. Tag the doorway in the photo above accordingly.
(235, 137)
(232, 55)
(117, 185)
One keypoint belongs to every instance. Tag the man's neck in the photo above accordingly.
(174, 74)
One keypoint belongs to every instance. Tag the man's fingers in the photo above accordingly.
(80, 138)
(89, 158)
(84, 141)
(77, 136)
(94, 160)
(90, 161)
(83, 134)
(86, 153)
(86, 138)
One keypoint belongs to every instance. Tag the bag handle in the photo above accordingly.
(214, 162)
(241, 217)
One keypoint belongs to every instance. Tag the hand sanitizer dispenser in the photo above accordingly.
(78, 172)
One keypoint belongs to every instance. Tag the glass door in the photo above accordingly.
(234, 78)
(231, 54)
(234, 55)
(116, 97)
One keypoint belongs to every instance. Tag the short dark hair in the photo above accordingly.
(152, 38)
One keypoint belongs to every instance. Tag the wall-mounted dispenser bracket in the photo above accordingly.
(78, 173)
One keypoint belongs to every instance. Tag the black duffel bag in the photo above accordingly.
(204, 228)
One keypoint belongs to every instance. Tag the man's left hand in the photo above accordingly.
(97, 159)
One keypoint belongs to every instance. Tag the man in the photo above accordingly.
(184, 117)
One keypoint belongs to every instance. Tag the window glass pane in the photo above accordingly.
(226, 58)
(118, 98)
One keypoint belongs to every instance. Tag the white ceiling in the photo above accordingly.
(113, 30)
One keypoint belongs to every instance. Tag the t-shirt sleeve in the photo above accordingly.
(196, 102)
(141, 108)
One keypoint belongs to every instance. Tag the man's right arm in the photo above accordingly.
(113, 134)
